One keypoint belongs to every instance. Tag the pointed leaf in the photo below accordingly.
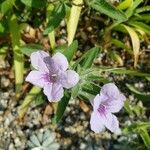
(61, 107)
(104, 7)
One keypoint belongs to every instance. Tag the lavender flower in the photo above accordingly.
(51, 74)
(109, 101)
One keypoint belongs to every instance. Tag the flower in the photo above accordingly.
(109, 101)
(51, 74)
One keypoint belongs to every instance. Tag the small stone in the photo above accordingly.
(7, 122)
(4, 82)
(11, 147)
(17, 142)
(82, 146)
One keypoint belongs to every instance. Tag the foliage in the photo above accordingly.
(129, 17)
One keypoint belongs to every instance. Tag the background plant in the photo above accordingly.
(128, 18)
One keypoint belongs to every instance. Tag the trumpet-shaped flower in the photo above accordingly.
(51, 74)
(109, 101)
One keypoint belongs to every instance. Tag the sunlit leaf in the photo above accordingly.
(125, 4)
(73, 19)
(135, 43)
(18, 56)
(6, 5)
(130, 11)
(28, 99)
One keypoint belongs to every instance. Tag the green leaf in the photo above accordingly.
(3, 27)
(40, 99)
(140, 95)
(6, 6)
(116, 57)
(144, 27)
(85, 96)
(131, 10)
(15, 35)
(135, 127)
(125, 4)
(61, 107)
(125, 71)
(96, 78)
(104, 7)
(75, 90)
(86, 60)
(148, 78)
(28, 99)
(56, 17)
(70, 51)
(128, 108)
(28, 49)
(143, 9)
(91, 88)
(145, 137)
(34, 3)
(145, 17)
(120, 44)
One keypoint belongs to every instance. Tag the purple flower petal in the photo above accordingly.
(69, 79)
(110, 121)
(37, 60)
(110, 90)
(115, 105)
(54, 92)
(96, 102)
(61, 60)
(96, 123)
(110, 100)
(51, 65)
(37, 78)
(52, 74)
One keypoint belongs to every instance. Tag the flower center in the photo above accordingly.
(53, 77)
(101, 109)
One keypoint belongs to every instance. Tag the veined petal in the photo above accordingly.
(54, 92)
(110, 90)
(96, 102)
(69, 79)
(61, 60)
(115, 105)
(51, 65)
(37, 78)
(38, 62)
(96, 123)
(110, 121)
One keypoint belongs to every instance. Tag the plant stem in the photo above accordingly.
(18, 56)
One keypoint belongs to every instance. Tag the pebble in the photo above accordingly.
(4, 82)
(82, 146)
(17, 142)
